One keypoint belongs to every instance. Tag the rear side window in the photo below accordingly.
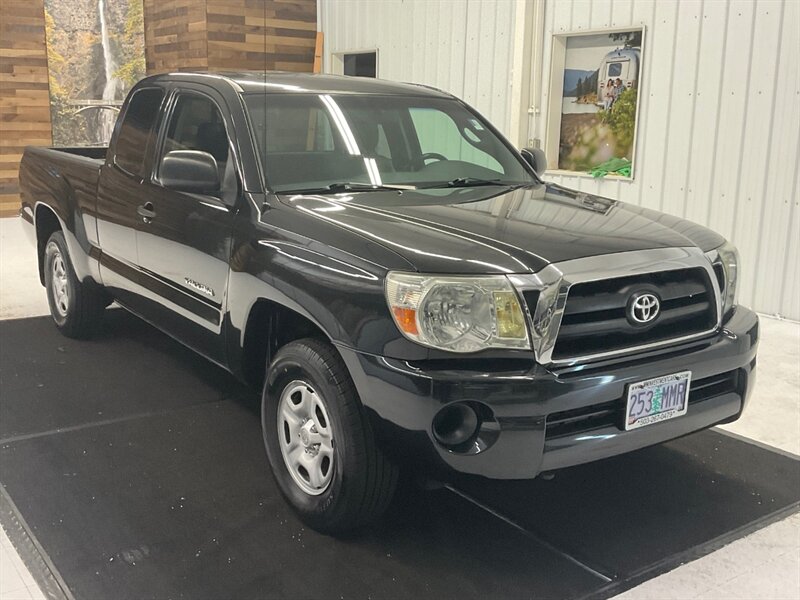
(137, 125)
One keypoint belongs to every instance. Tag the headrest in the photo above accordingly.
(211, 138)
(366, 134)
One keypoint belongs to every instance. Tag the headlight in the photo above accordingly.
(728, 261)
(459, 314)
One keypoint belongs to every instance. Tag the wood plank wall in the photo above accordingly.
(179, 35)
(232, 34)
(175, 35)
(262, 34)
(24, 92)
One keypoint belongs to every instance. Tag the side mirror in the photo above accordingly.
(535, 158)
(191, 171)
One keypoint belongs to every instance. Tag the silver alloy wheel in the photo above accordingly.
(306, 437)
(59, 281)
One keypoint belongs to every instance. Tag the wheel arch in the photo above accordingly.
(270, 326)
(46, 223)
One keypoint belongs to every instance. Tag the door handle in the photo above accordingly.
(146, 212)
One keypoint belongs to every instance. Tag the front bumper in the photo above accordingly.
(529, 407)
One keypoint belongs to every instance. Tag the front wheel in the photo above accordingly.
(76, 307)
(319, 442)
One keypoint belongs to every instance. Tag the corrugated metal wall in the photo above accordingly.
(459, 46)
(719, 131)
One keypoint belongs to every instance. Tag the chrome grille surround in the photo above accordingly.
(554, 281)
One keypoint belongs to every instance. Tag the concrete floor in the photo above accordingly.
(16, 582)
(765, 564)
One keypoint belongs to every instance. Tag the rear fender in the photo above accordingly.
(77, 243)
(45, 187)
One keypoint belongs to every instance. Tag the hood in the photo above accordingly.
(491, 230)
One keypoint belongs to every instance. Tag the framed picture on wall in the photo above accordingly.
(593, 110)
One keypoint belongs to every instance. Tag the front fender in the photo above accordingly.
(333, 278)
(344, 298)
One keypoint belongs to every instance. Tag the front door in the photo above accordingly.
(184, 239)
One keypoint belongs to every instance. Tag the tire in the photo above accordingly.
(76, 307)
(307, 377)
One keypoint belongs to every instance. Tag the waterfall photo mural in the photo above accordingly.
(95, 53)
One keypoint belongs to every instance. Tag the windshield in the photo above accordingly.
(320, 142)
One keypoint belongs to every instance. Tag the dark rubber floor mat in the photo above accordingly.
(138, 470)
(632, 515)
(51, 382)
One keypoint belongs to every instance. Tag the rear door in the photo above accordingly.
(184, 243)
(121, 189)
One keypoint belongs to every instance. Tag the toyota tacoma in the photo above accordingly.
(398, 279)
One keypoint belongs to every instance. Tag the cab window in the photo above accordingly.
(196, 124)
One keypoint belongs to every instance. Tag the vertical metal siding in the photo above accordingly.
(719, 131)
(464, 47)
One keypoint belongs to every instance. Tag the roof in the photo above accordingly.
(625, 52)
(287, 82)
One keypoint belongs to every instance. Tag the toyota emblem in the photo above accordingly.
(643, 308)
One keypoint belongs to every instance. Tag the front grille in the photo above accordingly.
(612, 414)
(595, 315)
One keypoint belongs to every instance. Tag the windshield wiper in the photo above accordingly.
(352, 186)
(474, 182)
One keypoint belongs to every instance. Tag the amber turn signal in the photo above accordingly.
(406, 319)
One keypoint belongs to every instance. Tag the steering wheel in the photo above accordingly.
(433, 156)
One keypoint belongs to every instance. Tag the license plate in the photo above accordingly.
(658, 399)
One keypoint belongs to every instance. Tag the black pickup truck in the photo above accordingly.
(397, 277)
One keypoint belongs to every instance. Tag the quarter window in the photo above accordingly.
(137, 126)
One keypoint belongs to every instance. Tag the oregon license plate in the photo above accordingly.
(658, 399)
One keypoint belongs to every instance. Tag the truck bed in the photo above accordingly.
(53, 175)
(72, 160)
(93, 152)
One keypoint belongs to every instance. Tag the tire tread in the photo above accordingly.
(89, 303)
(376, 477)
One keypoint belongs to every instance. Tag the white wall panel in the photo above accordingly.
(719, 129)
(462, 46)
(780, 220)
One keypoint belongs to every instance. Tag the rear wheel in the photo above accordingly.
(319, 442)
(76, 307)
